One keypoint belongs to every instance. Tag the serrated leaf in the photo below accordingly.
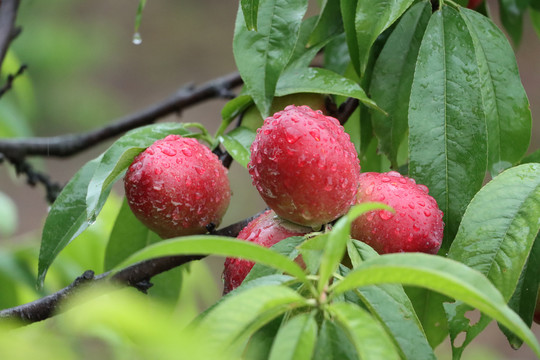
(216, 245)
(505, 103)
(250, 8)
(443, 275)
(320, 81)
(295, 339)
(511, 14)
(128, 236)
(230, 323)
(262, 55)
(372, 17)
(117, 158)
(446, 155)
(237, 142)
(496, 236)
(392, 78)
(67, 218)
(391, 305)
(336, 245)
(368, 335)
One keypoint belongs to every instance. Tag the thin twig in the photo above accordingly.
(67, 145)
(137, 276)
(8, 13)
(34, 177)
(11, 78)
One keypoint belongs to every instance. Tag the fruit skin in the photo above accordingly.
(304, 166)
(417, 224)
(253, 120)
(177, 187)
(473, 4)
(266, 230)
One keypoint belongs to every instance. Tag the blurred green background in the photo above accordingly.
(84, 72)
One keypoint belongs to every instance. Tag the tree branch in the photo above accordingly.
(11, 78)
(137, 275)
(8, 13)
(67, 145)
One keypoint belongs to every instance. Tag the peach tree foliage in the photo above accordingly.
(441, 101)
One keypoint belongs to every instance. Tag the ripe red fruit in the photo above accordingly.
(417, 224)
(177, 187)
(473, 4)
(304, 166)
(266, 230)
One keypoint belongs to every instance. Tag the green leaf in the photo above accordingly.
(447, 130)
(392, 78)
(367, 335)
(496, 236)
(295, 339)
(128, 236)
(535, 20)
(511, 14)
(250, 9)
(531, 158)
(238, 142)
(260, 343)
(232, 109)
(261, 56)
(216, 245)
(336, 55)
(119, 156)
(443, 275)
(372, 17)
(390, 304)
(329, 23)
(230, 323)
(523, 301)
(337, 241)
(333, 343)
(67, 218)
(503, 96)
(320, 81)
(348, 11)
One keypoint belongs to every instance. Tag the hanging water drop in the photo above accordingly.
(137, 40)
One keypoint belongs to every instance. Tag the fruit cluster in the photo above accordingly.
(307, 171)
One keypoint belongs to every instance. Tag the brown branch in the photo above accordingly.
(11, 78)
(137, 275)
(67, 145)
(8, 13)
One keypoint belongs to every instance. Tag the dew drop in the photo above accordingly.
(421, 203)
(402, 180)
(316, 134)
(424, 188)
(369, 189)
(427, 213)
(199, 170)
(416, 227)
(137, 40)
(411, 205)
(266, 132)
(187, 152)
(292, 135)
(158, 171)
(168, 151)
(385, 179)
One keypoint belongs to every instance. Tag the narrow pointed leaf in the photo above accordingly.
(367, 335)
(333, 343)
(504, 100)
(216, 245)
(443, 275)
(250, 8)
(392, 78)
(296, 339)
(329, 23)
(237, 142)
(262, 55)
(348, 11)
(231, 322)
(128, 236)
(447, 131)
(496, 236)
(321, 81)
(511, 14)
(371, 19)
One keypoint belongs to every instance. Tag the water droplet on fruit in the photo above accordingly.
(421, 203)
(424, 188)
(188, 181)
(385, 179)
(168, 151)
(369, 190)
(199, 170)
(292, 135)
(411, 205)
(402, 180)
(187, 152)
(427, 213)
(381, 198)
(157, 187)
(150, 151)
(158, 171)
(316, 134)
(266, 132)
(385, 215)
(277, 115)
(329, 184)
(416, 227)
